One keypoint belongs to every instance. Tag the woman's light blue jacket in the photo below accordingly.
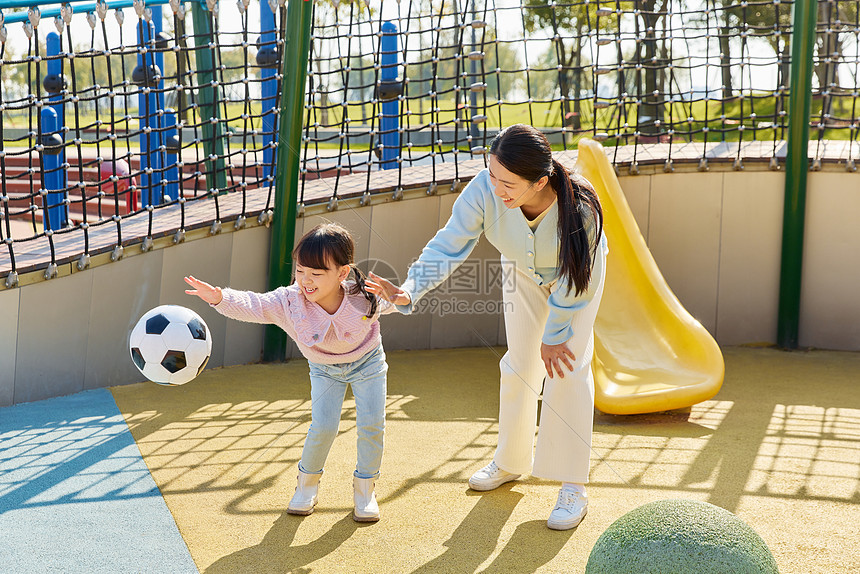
(478, 210)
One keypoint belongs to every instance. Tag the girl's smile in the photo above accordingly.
(322, 286)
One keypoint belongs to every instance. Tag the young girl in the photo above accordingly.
(336, 326)
(548, 223)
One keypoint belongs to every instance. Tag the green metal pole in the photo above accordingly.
(804, 16)
(290, 121)
(213, 131)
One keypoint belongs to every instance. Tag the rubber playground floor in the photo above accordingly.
(143, 478)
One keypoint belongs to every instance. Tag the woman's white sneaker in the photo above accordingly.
(490, 477)
(570, 508)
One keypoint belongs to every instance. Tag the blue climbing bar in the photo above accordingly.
(389, 121)
(145, 77)
(267, 58)
(170, 136)
(159, 121)
(54, 83)
(55, 210)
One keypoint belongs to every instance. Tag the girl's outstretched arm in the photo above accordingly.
(245, 306)
(205, 291)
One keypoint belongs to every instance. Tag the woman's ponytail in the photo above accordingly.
(361, 287)
(578, 210)
(525, 151)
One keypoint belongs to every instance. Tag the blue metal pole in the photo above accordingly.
(160, 120)
(56, 212)
(269, 89)
(389, 122)
(151, 189)
(171, 172)
(158, 27)
(55, 66)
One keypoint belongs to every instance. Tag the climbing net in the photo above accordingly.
(401, 84)
(129, 107)
(121, 107)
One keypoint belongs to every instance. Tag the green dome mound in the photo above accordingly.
(680, 537)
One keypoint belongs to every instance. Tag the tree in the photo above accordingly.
(650, 115)
(728, 24)
(831, 40)
(772, 21)
(359, 81)
(568, 24)
(544, 81)
(328, 67)
(497, 55)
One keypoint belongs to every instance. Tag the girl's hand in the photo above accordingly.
(205, 291)
(554, 355)
(387, 290)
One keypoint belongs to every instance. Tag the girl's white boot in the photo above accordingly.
(366, 508)
(305, 498)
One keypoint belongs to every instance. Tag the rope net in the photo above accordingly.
(130, 108)
(122, 107)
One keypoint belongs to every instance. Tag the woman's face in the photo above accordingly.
(514, 190)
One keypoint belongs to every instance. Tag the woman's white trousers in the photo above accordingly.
(567, 413)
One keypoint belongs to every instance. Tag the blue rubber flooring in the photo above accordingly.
(76, 496)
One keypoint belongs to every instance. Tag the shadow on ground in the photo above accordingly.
(778, 441)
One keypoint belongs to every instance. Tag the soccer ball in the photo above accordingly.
(170, 345)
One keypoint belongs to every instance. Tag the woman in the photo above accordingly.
(548, 223)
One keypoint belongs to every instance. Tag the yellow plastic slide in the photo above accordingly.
(650, 354)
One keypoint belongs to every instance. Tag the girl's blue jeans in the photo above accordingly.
(367, 377)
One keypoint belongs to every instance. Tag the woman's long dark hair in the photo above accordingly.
(525, 151)
(330, 244)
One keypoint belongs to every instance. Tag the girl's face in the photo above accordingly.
(319, 285)
(514, 190)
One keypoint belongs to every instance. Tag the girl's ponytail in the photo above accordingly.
(361, 287)
(578, 210)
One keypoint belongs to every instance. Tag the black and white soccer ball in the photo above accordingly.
(170, 345)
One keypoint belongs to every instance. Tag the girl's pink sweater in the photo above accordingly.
(343, 337)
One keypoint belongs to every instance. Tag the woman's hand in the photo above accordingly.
(205, 291)
(387, 290)
(554, 355)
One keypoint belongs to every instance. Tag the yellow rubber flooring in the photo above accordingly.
(779, 446)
